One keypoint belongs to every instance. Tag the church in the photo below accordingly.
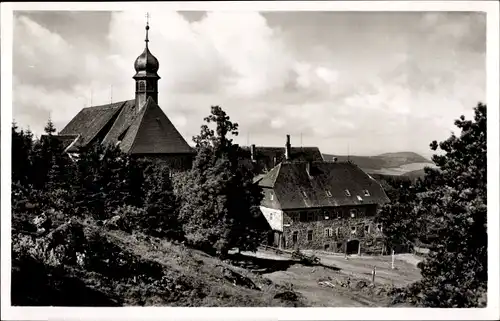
(138, 126)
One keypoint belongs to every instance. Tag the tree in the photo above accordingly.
(453, 207)
(219, 204)
(160, 203)
(22, 153)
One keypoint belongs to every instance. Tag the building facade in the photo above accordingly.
(138, 126)
(328, 206)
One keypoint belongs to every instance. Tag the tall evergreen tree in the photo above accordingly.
(219, 204)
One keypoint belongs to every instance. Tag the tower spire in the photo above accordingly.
(147, 29)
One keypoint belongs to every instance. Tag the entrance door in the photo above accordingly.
(352, 247)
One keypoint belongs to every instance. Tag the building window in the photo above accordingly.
(339, 213)
(295, 236)
(309, 235)
(337, 230)
(303, 216)
(353, 212)
(353, 229)
(328, 193)
(310, 217)
(347, 193)
(379, 227)
(366, 192)
(327, 247)
(367, 228)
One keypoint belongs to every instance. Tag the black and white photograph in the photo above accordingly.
(280, 155)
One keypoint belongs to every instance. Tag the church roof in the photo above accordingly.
(151, 132)
(148, 131)
(90, 121)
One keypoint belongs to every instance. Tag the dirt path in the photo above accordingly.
(305, 279)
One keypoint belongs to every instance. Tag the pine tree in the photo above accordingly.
(219, 203)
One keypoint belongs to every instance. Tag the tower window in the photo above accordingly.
(366, 192)
(142, 85)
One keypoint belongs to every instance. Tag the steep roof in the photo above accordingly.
(122, 122)
(151, 132)
(265, 156)
(290, 180)
(90, 121)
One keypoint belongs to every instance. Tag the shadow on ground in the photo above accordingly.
(267, 265)
(259, 265)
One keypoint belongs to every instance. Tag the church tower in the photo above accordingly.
(146, 77)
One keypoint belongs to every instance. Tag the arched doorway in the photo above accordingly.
(352, 247)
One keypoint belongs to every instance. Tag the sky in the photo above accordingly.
(362, 83)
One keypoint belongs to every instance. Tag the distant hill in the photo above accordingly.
(389, 164)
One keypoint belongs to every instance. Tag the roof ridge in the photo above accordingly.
(111, 105)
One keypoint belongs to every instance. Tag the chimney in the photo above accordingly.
(252, 152)
(288, 148)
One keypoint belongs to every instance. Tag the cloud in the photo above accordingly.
(377, 86)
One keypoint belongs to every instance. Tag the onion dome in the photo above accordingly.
(146, 64)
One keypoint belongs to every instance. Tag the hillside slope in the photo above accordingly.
(121, 269)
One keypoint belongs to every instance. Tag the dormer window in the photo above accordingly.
(271, 196)
(347, 193)
(328, 193)
(359, 198)
(304, 193)
(366, 192)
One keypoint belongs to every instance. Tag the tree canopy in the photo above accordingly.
(449, 204)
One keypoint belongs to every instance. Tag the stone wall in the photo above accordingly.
(330, 229)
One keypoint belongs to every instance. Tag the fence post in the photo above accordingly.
(392, 261)
(373, 274)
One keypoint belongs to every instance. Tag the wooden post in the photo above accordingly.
(345, 250)
(373, 274)
(392, 262)
(359, 248)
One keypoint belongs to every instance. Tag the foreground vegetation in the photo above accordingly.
(111, 230)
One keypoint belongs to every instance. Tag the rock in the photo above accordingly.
(113, 222)
(359, 285)
(326, 284)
